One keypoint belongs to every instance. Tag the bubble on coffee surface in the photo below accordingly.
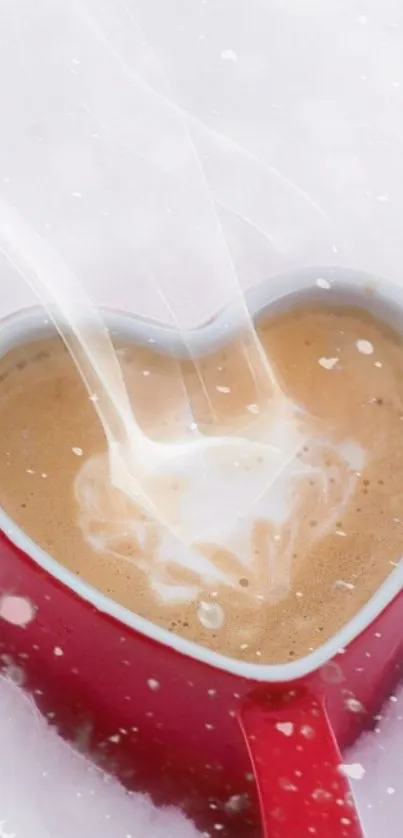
(211, 615)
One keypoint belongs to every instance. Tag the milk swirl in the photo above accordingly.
(258, 545)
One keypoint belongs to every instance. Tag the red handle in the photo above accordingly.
(302, 789)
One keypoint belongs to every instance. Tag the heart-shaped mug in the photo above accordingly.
(212, 734)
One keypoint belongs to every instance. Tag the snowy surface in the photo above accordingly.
(47, 790)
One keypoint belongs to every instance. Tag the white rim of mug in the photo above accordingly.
(26, 324)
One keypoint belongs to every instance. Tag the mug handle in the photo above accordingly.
(302, 789)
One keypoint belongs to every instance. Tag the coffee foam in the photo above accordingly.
(307, 556)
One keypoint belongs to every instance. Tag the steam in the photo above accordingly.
(166, 213)
(217, 508)
(220, 478)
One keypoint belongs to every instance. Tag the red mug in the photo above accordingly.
(232, 743)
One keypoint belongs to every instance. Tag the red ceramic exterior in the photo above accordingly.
(167, 723)
(297, 762)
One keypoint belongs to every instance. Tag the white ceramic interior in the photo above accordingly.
(383, 298)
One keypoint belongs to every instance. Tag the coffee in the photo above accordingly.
(306, 557)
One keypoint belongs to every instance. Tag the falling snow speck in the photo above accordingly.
(307, 731)
(353, 770)
(237, 803)
(328, 363)
(153, 684)
(354, 706)
(365, 347)
(58, 652)
(229, 55)
(16, 610)
(77, 451)
(323, 283)
(222, 389)
(286, 728)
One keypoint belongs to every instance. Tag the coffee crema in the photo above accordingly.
(303, 559)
